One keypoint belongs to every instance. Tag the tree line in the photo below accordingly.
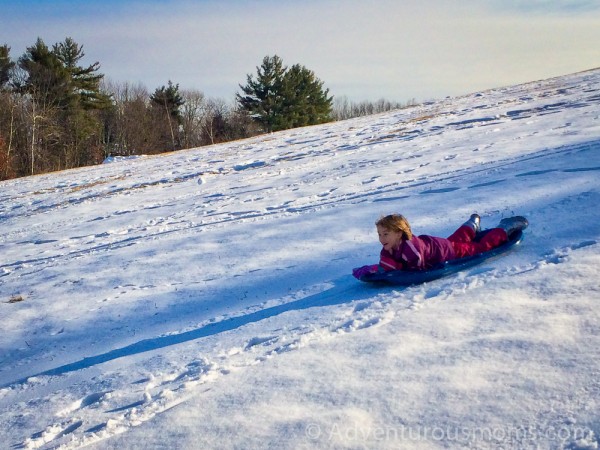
(56, 113)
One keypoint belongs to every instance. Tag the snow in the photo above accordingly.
(203, 298)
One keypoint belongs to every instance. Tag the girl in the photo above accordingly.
(404, 251)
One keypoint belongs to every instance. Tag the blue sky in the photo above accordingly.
(395, 49)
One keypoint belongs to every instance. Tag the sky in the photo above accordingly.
(399, 50)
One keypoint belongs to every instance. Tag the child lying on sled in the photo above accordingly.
(404, 251)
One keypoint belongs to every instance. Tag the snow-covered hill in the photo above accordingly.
(203, 299)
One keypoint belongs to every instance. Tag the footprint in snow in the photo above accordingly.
(439, 191)
(89, 400)
(260, 341)
(488, 183)
(51, 433)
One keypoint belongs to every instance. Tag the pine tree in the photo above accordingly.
(57, 77)
(6, 66)
(65, 131)
(167, 100)
(306, 103)
(81, 125)
(281, 98)
(262, 97)
(47, 79)
(85, 81)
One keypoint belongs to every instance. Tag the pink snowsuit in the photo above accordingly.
(423, 252)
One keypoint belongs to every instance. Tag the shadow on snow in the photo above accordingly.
(345, 290)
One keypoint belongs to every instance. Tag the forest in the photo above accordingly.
(57, 113)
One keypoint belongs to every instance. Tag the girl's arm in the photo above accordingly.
(387, 262)
(411, 256)
(407, 257)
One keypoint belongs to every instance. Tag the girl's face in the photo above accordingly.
(389, 239)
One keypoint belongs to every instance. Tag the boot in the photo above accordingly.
(474, 223)
(512, 224)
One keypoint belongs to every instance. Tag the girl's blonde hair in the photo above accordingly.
(397, 223)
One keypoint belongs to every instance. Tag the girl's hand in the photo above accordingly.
(359, 272)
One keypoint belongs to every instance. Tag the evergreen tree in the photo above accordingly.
(81, 125)
(169, 99)
(167, 102)
(65, 131)
(281, 98)
(6, 66)
(305, 101)
(262, 97)
(56, 76)
(47, 80)
(85, 81)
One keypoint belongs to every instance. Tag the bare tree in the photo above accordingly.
(8, 126)
(345, 109)
(213, 125)
(130, 126)
(193, 112)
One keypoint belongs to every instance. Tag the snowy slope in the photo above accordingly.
(202, 299)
